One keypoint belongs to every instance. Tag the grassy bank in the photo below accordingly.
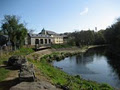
(5, 56)
(55, 75)
(63, 80)
(57, 46)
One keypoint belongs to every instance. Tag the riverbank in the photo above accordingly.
(59, 78)
(46, 72)
(37, 55)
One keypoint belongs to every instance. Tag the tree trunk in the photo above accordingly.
(13, 46)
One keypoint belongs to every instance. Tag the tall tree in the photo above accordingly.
(99, 37)
(112, 34)
(15, 30)
(0, 32)
(81, 38)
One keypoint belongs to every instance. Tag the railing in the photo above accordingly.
(42, 46)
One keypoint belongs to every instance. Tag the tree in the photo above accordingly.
(81, 38)
(99, 37)
(112, 34)
(31, 31)
(21, 35)
(1, 32)
(15, 30)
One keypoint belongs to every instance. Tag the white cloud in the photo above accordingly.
(84, 12)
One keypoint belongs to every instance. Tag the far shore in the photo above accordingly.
(41, 53)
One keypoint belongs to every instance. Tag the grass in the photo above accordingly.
(56, 76)
(4, 72)
(57, 46)
(65, 81)
(23, 51)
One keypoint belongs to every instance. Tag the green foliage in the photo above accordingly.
(105, 87)
(1, 33)
(23, 51)
(3, 58)
(99, 37)
(3, 73)
(81, 38)
(16, 31)
(112, 34)
(56, 46)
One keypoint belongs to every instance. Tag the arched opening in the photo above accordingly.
(41, 41)
(36, 41)
(45, 41)
(49, 40)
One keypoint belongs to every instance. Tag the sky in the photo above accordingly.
(62, 15)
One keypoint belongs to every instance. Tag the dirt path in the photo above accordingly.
(12, 75)
(42, 83)
(49, 51)
(40, 53)
(12, 82)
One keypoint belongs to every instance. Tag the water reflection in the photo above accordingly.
(96, 64)
(114, 62)
(81, 59)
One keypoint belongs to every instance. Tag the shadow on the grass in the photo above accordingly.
(6, 85)
(10, 67)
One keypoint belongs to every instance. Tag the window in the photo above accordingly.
(36, 41)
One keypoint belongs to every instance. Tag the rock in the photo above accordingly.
(41, 85)
(27, 72)
(16, 61)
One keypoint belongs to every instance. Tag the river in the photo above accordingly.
(96, 64)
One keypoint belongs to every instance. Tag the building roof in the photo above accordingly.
(38, 35)
(50, 32)
(47, 32)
